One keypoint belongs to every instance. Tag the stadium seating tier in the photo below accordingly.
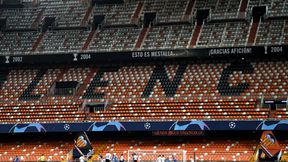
(186, 91)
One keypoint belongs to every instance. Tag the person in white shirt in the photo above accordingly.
(163, 158)
(108, 157)
(191, 159)
(122, 158)
(159, 159)
(135, 157)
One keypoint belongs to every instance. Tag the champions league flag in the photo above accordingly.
(82, 146)
(269, 147)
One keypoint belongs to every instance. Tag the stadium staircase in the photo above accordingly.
(38, 19)
(38, 41)
(189, 9)
(137, 13)
(195, 35)
(87, 16)
(253, 32)
(89, 39)
(87, 80)
(244, 4)
(143, 34)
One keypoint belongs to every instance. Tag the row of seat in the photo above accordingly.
(21, 18)
(63, 41)
(31, 151)
(41, 113)
(116, 14)
(272, 32)
(16, 43)
(115, 39)
(68, 13)
(224, 34)
(168, 37)
(182, 110)
(168, 10)
(226, 9)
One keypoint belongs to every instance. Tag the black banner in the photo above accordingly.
(103, 57)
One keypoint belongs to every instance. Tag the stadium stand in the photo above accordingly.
(207, 90)
(32, 150)
(193, 91)
(236, 30)
(205, 150)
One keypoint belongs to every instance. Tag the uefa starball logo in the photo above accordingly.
(232, 125)
(147, 125)
(66, 127)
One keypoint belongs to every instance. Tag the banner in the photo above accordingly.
(99, 57)
(82, 146)
(194, 125)
(269, 144)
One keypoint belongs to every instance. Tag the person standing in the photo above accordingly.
(135, 157)
(167, 159)
(158, 158)
(108, 157)
(115, 158)
(174, 158)
(191, 159)
(122, 158)
(100, 157)
(163, 158)
(42, 158)
(16, 159)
